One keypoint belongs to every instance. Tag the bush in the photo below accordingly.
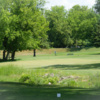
(24, 78)
(53, 80)
(38, 80)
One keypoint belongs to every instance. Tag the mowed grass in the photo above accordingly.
(74, 74)
(14, 91)
(63, 57)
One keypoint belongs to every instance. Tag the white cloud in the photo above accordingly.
(69, 3)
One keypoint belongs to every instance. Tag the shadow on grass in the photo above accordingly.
(9, 60)
(74, 67)
(16, 91)
(95, 54)
(78, 49)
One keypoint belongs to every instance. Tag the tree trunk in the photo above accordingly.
(13, 55)
(4, 54)
(7, 55)
(34, 54)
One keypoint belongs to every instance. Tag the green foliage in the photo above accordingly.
(82, 21)
(96, 36)
(59, 33)
(69, 82)
(53, 80)
(24, 78)
(22, 25)
(36, 79)
(97, 6)
(95, 39)
(67, 28)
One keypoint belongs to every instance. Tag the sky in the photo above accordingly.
(69, 3)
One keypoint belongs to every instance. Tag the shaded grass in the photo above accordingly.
(13, 91)
(75, 67)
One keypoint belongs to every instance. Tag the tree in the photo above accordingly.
(96, 36)
(22, 25)
(97, 6)
(59, 33)
(39, 37)
(82, 21)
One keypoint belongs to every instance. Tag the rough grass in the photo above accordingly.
(81, 76)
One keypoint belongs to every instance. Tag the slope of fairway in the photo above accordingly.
(42, 61)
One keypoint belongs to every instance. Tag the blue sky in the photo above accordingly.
(69, 3)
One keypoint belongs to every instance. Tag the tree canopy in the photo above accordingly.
(97, 6)
(82, 21)
(96, 36)
(59, 33)
(22, 25)
(70, 28)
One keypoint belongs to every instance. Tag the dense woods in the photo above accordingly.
(25, 24)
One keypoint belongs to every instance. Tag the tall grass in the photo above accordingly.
(85, 79)
(11, 70)
(10, 73)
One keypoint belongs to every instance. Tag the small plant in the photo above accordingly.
(69, 83)
(72, 83)
(53, 80)
(24, 78)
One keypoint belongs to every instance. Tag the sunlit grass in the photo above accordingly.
(79, 69)
(81, 76)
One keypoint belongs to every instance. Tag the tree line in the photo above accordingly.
(25, 24)
(76, 27)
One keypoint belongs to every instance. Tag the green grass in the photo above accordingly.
(14, 91)
(74, 76)
(81, 76)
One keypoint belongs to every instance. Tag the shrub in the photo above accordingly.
(53, 80)
(24, 78)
